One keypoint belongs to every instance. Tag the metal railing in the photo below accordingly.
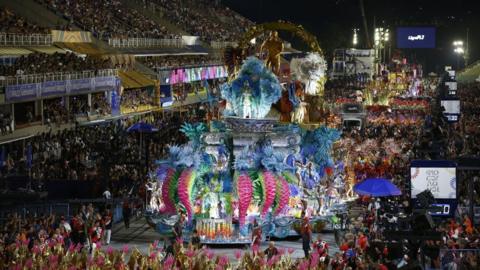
(11, 39)
(56, 76)
(222, 44)
(145, 43)
(209, 64)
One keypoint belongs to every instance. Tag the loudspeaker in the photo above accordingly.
(422, 221)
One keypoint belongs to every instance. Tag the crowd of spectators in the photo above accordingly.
(55, 112)
(41, 63)
(135, 100)
(100, 105)
(211, 21)
(165, 62)
(89, 227)
(12, 23)
(108, 19)
(99, 152)
(5, 123)
(384, 147)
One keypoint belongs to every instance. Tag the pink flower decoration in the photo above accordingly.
(109, 250)
(269, 185)
(153, 255)
(155, 244)
(270, 262)
(100, 261)
(26, 242)
(99, 245)
(245, 191)
(51, 243)
(78, 247)
(281, 251)
(223, 260)
(238, 254)
(302, 266)
(290, 250)
(29, 263)
(90, 261)
(179, 241)
(218, 267)
(36, 249)
(210, 254)
(53, 259)
(190, 253)
(168, 262)
(125, 249)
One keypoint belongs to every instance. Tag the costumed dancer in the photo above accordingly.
(350, 182)
(274, 47)
(178, 227)
(256, 236)
(306, 232)
(247, 102)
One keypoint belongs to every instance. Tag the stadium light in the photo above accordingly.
(458, 43)
(459, 50)
(386, 36)
(355, 37)
(376, 36)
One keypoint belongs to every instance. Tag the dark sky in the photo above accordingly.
(333, 20)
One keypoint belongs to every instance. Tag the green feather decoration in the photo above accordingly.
(172, 190)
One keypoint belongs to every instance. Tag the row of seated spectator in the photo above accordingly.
(97, 152)
(137, 100)
(12, 23)
(211, 21)
(163, 62)
(39, 63)
(107, 19)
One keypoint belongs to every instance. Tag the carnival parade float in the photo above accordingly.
(250, 166)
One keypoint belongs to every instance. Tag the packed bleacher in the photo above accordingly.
(207, 19)
(12, 23)
(40, 63)
(164, 62)
(137, 100)
(78, 153)
(108, 19)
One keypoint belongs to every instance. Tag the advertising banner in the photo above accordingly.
(27, 92)
(53, 88)
(416, 37)
(81, 86)
(21, 92)
(437, 176)
(104, 83)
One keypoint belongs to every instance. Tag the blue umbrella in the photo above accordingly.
(377, 187)
(142, 127)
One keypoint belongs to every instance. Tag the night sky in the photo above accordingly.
(333, 20)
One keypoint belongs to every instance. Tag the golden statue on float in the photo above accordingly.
(273, 47)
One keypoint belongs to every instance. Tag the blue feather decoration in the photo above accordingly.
(264, 85)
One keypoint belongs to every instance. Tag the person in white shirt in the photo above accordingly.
(65, 224)
(107, 195)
